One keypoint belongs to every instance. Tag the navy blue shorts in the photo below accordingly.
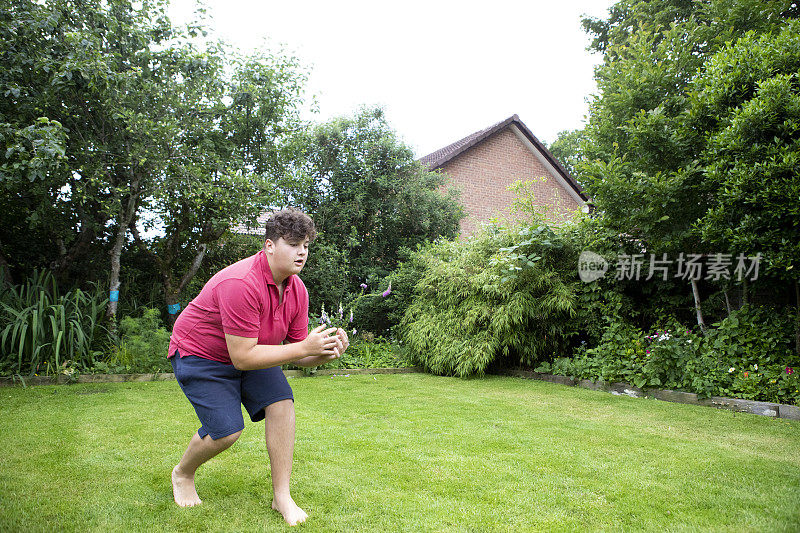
(217, 392)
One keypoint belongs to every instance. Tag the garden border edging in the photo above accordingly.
(355, 371)
(775, 410)
(167, 376)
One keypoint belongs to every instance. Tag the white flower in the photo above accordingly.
(755, 367)
(731, 370)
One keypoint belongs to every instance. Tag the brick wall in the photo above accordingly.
(484, 172)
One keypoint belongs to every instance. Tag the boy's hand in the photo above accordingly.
(321, 342)
(341, 345)
(345, 342)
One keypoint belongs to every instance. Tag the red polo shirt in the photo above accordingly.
(242, 300)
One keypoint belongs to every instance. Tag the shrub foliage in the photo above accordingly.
(493, 298)
(746, 355)
(143, 345)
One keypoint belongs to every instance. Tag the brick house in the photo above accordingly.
(484, 164)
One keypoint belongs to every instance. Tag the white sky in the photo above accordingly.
(441, 69)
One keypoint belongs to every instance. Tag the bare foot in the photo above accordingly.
(292, 514)
(183, 490)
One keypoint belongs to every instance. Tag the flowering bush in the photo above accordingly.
(366, 350)
(753, 336)
(668, 354)
(621, 354)
(625, 353)
(748, 355)
(383, 305)
(771, 384)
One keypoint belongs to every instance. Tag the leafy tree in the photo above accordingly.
(643, 154)
(111, 119)
(51, 168)
(627, 16)
(229, 153)
(748, 100)
(32, 153)
(92, 68)
(643, 168)
(566, 148)
(369, 197)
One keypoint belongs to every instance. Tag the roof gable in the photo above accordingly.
(438, 158)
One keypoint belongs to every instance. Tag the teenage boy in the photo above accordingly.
(227, 347)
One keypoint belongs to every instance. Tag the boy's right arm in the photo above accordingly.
(247, 354)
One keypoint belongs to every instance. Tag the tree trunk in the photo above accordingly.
(172, 297)
(198, 260)
(67, 256)
(727, 300)
(127, 210)
(163, 267)
(171, 294)
(745, 292)
(797, 322)
(113, 284)
(696, 294)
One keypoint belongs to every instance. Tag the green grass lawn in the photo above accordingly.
(401, 453)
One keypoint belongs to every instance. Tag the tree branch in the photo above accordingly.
(137, 238)
(198, 260)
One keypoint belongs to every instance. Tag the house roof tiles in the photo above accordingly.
(438, 158)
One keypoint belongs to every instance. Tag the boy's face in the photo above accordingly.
(286, 257)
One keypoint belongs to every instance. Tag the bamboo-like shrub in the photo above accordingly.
(498, 296)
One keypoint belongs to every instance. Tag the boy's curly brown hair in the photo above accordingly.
(291, 224)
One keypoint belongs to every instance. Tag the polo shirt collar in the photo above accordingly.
(262, 257)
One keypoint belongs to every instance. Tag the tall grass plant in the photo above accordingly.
(44, 331)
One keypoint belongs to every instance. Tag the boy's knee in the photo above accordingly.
(228, 440)
(279, 408)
